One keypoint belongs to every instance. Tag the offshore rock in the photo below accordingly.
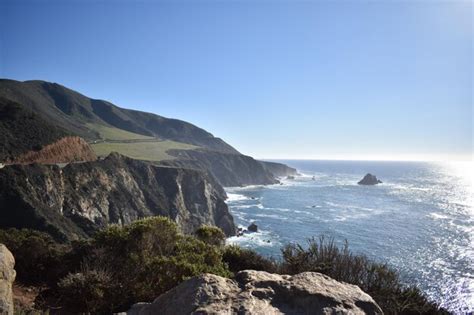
(259, 292)
(369, 179)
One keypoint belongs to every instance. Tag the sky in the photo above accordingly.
(275, 79)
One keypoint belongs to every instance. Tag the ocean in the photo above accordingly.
(420, 220)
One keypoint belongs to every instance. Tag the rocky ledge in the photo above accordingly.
(259, 292)
(81, 198)
(369, 179)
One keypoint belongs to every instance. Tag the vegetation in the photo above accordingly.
(21, 130)
(120, 266)
(378, 280)
(239, 259)
(142, 150)
(112, 133)
(211, 235)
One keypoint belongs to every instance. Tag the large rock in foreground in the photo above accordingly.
(7, 276)
(258, 292)
(81, 198)
(369, 179)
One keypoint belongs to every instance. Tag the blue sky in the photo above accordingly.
(276, 79)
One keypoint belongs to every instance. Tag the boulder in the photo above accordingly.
(369, 179)
(7, 276)
(259, 292)
(252, 228)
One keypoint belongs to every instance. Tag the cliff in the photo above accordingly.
(65, 150)
(229, 169)
(81, 198)
(279, 169)
(259, 292)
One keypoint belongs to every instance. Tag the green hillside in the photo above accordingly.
(110, 133)
(142, 150)
(81, 115)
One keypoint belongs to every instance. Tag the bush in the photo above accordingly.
(38, 258)
(145, 259)
(211, 235)
(239, 259)
(378, 280)
(120, 266)
(86, 291)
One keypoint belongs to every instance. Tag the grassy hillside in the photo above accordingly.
(111, 133)
(142, 150)
(81, 115)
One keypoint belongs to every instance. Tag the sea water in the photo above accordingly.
(420, 220)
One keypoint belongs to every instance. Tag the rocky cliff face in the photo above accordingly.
(65, 150)
(80, 198)
(258, 292)
(229, 169)
(279, 169)
(7, 276)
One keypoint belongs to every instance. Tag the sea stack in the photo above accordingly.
(252, 228)
(369, 179)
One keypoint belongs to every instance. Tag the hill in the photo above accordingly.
(22, 130)
(86, 117)
(144, 136)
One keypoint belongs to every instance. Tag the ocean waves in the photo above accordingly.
(420, 220)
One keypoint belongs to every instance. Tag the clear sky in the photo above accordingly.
(276, 79)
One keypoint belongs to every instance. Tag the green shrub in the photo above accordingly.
(239, 259)
(211, 235)
(38, 258)
(86, 291)
(146, 259)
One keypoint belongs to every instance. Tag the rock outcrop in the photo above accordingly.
(77, 200)
(258, 292)
(7, 276)
(65, 150)
(229, 169)
(369, 179)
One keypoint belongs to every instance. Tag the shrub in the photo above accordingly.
(120, 266)
(239, 259)
(147, 257)
(211, 235)
(38, 258)
(378, 280)
(86, 291)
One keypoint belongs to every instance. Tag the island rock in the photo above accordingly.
(369, 179)
(252, 228)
